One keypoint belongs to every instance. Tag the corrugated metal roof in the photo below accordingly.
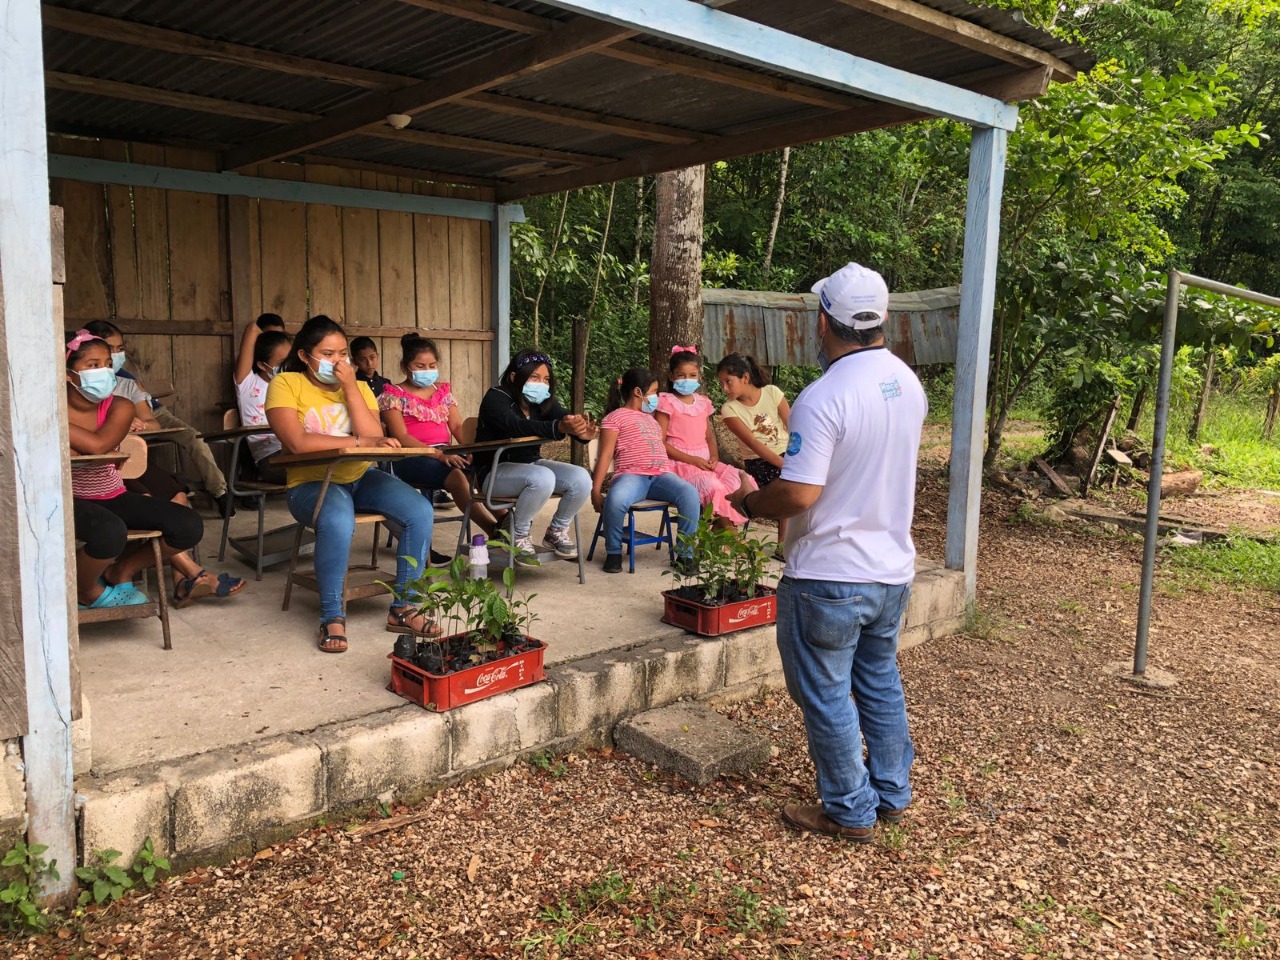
(401, 39)
(778, 329)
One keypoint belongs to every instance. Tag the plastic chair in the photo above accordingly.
(630, 537)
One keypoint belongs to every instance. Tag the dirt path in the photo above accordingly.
(1059, 813)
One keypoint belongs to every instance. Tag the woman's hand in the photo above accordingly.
(703, 464)
(139, 425)
(453, 461)
(389, 442)
(597, 501)
(345, 371)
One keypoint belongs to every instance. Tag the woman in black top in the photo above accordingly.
(522, 405)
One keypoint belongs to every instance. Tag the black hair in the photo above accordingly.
(637, 378)
(268, 342)
(517, 375)
(740, 365)
(312, 332)
(80, 351)
(412, 344)
(361, 343)
(678, 360)
(103, 329)
(865, 337)
(269, 321)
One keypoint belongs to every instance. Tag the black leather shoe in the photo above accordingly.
(613, 563)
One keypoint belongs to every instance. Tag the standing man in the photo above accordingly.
(849, 477)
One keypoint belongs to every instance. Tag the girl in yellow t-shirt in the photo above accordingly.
(316, 403)
(756, 412)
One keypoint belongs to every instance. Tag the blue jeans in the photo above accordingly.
(407, 511)
(532, 484)
(628, 488)
(838, 639)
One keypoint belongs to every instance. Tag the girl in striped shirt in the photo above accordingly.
(631, 439)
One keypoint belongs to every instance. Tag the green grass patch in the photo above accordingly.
(1237, 562)
(1233, 426)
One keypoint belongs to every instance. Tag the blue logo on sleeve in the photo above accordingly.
(794, 442)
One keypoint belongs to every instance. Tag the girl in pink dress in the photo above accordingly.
(685, 417)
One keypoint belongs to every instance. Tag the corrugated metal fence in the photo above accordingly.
(779, 329)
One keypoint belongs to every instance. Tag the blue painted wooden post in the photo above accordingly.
(973, 350)
(36, 430)
(500, 252)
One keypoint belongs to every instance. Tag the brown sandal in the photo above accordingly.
(333, 642)
(403, 627)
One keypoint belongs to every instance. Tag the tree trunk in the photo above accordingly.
(635, 257)
(576, 450)
(767, 265)
(675, 273)
(1193, 432)
(1273, 405)
(1135, 412)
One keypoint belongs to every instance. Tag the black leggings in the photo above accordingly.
(181, 527)
(101, 531)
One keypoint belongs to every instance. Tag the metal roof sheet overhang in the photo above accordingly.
(525, 98)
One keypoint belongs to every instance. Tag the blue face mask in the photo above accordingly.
(686, 387)
(823, 362)
(324, 371)
(98, 383)
(536, 393)
(424, 378)
(276, 370)
(117, 361)
(650, 404)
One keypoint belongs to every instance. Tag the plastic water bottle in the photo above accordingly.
(478, 558)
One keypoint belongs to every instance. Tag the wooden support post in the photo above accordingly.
(500, 251)
(973, 350)
(34, 428)
(577, 452)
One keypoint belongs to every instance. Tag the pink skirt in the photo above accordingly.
(713, 487)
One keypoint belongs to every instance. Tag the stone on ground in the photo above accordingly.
(692, 741)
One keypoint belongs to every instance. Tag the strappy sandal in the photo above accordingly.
(190, 589)
(229, 586)
(402, 625)
(333, 642)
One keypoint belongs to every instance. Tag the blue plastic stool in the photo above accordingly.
(632, 539)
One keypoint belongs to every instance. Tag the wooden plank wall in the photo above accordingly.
(183, 272)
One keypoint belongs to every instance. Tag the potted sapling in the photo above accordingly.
(720, 588)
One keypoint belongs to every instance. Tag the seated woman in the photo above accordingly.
(104, 537)
(98, 421)
(316, 403)
(421, 412)
(523, 405)
(262, 351)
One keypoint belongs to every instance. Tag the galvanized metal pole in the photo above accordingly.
(1157, 470)
(1177, 281)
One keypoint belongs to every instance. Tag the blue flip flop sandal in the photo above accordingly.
(117, 595)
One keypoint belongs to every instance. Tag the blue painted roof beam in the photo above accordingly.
(723, 34)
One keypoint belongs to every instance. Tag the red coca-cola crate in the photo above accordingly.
(442, 692)
(712, 621)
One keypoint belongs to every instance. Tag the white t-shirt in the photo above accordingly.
(251, 394)
(129, 390)
(855, 432)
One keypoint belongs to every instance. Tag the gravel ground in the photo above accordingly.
(1059, 812)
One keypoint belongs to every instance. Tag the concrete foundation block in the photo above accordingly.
(691, 741)
(401, 752)
(593, 693)
(683, 668)
(537, 715)
(121, 812)
(222, 796)
(13, 793)
(484, 731)
(751, 656)
(936, 607)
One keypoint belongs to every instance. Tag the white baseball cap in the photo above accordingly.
(853, 290)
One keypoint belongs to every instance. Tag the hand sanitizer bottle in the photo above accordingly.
(478, 559)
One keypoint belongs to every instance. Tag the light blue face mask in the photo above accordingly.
(536, 393)
(117, 361)
(276, 370)
(97, 383)
(686, 387)
(424, 378)
(650, 403)
(324, 371)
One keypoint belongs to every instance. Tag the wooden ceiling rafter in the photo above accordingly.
(963, 33)
(529, 56)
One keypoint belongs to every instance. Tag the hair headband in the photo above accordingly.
(536, 358)
(79, 340)
(679, 349)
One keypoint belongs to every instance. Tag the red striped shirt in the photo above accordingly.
(640, 449)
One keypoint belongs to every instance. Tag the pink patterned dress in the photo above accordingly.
(687, 432)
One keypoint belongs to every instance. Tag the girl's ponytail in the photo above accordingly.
(637, 378)
(740, 365)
